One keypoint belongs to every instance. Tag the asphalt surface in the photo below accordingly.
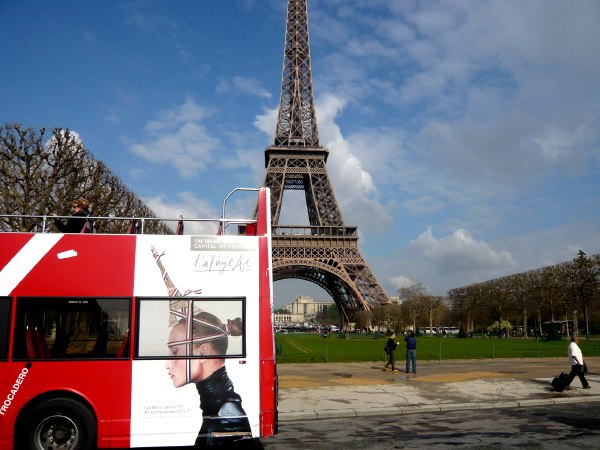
(332, 390)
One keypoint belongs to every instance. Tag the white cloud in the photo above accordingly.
(501, 92)
(243, 85)
(266, 122)
(355, 187)
(189, 206)
(401, 281)
(460, 253)
(189, 111)
(179, 138)
(525, 108)
(75, 138)
(539, 248)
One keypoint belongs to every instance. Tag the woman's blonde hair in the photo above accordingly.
(82, 203)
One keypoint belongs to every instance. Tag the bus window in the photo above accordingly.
(4, 325)
(59, 328)
(214, 329)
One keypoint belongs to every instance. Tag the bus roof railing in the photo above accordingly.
(41, 222)
(223, 224)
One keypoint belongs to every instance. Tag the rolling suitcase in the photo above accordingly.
(560, 382)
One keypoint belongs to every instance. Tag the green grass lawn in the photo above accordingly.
(312, 348)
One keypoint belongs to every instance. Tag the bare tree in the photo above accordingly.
(412, 298)
(519, 289)
(495, 291)
(585, 277)
(431, 303)
(395, 316)
(542, 293)
(563, 281)
(461, 298)
(43, 174)
(466, 302)
(363, 319)
(378, 317)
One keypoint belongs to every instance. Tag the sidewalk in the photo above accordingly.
(334, 390)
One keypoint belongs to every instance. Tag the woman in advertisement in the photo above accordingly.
(204, 336)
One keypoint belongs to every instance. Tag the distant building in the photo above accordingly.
(309, 307)
(395, 300)
(301, 312)
(289, 320)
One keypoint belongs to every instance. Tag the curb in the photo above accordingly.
(296, 416)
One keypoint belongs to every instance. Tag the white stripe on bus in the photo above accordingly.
(25, 260)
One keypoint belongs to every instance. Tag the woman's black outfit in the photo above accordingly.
(223, 418)
(74, 224)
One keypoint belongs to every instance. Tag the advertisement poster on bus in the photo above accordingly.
(197, 368)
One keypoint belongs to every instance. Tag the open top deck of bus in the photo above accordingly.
(134, 225)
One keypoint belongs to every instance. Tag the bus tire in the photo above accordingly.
(60, 423)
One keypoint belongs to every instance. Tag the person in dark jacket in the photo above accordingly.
(76, 223)
(411, 352)
(223, 417)
(390, 349)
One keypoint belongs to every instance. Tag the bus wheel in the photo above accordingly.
(60, 423)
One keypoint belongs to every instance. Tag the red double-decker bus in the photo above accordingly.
(137, 340)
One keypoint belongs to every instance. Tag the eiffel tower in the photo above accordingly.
(325, 252)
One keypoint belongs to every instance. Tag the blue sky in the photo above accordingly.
(464, 136)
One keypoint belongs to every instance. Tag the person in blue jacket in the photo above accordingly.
(411, 352)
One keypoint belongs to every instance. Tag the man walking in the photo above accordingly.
(576, 361)
(390, 349)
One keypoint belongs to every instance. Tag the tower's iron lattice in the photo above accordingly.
(325, 252)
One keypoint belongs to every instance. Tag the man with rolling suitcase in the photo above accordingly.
(576, 361)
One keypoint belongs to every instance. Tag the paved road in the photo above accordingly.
(542, 427)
